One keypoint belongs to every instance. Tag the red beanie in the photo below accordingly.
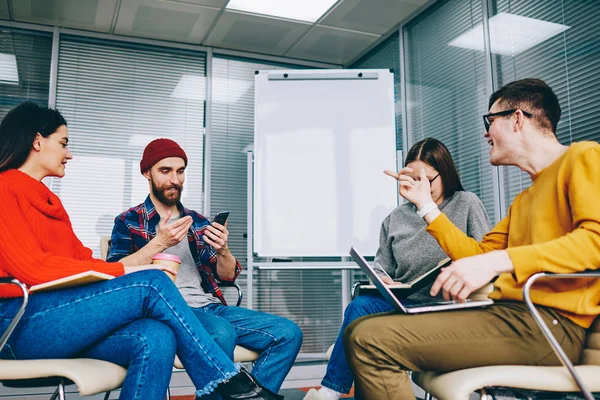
(159, 149)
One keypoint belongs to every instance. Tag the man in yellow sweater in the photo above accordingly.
(552, 226)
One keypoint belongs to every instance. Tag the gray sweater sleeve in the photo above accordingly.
(384, 255)
(478, 222)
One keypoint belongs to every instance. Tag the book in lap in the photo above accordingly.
(80, 279)
(411, 306)
(403, 290)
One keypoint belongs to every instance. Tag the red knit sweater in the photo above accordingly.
(37, 242)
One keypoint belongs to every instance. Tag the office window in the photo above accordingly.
(387, 55)
(384, 55)
(232, 136)
(565, 54)
(25, 58)
(294, 294)
(116, 98)
(447, 91)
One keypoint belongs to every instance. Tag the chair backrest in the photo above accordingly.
(591, 350)
(104, 246)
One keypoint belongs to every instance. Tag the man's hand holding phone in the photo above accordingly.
(216, 234)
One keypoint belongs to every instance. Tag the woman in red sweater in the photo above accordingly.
(137, 320)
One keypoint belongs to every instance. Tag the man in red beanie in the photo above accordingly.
(160, 225)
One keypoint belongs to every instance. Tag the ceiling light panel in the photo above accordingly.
(510, 34)
(301, 10)
(8, 69)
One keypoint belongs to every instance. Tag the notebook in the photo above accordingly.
(403, 290)
(82, 278)
(411, 306)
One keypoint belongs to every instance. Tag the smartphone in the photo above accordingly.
(221, 217)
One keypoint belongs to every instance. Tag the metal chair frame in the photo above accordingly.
(59, 382)
(539, 321)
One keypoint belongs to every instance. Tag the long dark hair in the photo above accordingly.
(433, 152)
(19, 128)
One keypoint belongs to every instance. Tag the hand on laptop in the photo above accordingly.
(466, 275)
(387, 280)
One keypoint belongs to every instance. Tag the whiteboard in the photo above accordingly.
(322, 139)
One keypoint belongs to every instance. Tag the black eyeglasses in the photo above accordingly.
(418, 179)
(486, 118)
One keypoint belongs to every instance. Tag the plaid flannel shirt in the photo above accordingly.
(135, 227)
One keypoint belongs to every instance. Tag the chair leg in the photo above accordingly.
(59, 392)
(107, 395)
(55, 394)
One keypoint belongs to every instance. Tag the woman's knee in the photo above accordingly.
(153, 282)
(150, 276)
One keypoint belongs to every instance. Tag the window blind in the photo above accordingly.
(116, 98)
(446, 91)
(25, 58)
(384, 55)
(387, 55)
(569, 62)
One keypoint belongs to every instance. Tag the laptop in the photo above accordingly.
(411, 306)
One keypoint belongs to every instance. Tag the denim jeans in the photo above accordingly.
(338, 376)
(277, 339)
(138, 321)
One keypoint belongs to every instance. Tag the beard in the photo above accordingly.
(161, 193)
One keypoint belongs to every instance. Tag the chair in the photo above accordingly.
(585, 377)
(89, 375)
(240, 354)
(104, 242)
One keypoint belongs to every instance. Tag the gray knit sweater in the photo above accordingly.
(407, 251)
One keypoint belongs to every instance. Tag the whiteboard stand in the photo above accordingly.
(250, 234)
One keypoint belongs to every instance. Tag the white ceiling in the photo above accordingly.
(348, 29)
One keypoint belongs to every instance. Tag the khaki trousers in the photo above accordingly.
(380, 347)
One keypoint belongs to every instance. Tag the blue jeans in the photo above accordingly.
(338, 376)
(138, 321)
(277, 339)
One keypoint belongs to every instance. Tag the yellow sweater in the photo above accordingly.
(552, 226)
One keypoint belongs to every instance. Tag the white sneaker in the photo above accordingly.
(314, 394)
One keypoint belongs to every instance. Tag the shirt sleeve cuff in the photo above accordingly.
(525, 262)
(115, 269)
(439, 226)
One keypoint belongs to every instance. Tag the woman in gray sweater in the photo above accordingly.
(406, 250)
